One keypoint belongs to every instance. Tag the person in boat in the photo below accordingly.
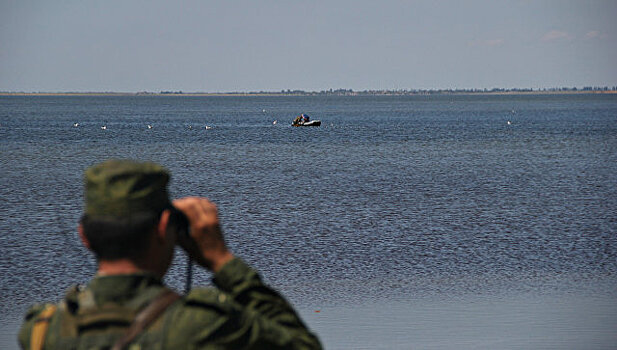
(305, 118)
(132, 227)
(299, 120)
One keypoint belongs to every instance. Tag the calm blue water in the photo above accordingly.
(392, 200)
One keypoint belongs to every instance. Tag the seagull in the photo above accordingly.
(149, 126)
(263, 110)
(208, 127)
(190, 127)
(75, 124)
(104, 127)
(509, 122)
(274, 122)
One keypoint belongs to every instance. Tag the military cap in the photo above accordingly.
(121, 188)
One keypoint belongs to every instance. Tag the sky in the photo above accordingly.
(268, 45)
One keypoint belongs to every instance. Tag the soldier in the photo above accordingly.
(132, 227)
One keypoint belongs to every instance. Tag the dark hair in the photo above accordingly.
(113, 238)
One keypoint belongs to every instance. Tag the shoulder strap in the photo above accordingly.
(37, 338)
(145, 317)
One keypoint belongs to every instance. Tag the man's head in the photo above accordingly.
(124, 201)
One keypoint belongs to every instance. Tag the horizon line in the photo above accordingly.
(339, 91)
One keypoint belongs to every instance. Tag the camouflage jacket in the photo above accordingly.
(242, 313)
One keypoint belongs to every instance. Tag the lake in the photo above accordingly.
(424, 222)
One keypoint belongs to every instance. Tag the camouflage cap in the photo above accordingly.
(121, 188)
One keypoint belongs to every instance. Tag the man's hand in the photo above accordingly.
(206, 244)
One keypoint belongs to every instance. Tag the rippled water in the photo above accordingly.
(392, 199)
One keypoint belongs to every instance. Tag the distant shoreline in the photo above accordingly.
(349, 93)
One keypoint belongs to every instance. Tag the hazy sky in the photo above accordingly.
(109, 45)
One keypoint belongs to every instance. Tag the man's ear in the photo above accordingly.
(161, 229)
(82, 236)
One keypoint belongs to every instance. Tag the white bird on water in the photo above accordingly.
(75, 124)
(208, 127)
(149, 126)
(509, 122)
(274, 122)
(104, 127)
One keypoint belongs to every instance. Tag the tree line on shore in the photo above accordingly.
(351, 92)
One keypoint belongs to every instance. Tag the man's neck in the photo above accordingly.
(119, 267)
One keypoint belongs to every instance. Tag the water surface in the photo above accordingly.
(398, 205)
